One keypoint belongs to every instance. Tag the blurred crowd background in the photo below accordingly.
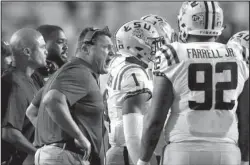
(74, 16)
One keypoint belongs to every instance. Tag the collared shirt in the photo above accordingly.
(77, 81)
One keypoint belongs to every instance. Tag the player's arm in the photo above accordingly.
(32, 110)
(161, 102)
(154, 120)
(137, 94)
(243, 118)
(133, 123)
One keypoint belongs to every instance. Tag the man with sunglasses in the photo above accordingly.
(70, 116)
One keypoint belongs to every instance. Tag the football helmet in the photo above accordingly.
(200, 18)
(138, 38)
(162, 26)
(241, 38)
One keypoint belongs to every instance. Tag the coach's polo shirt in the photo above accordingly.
(78, 82)
(17, 92)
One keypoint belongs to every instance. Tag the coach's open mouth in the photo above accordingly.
(107, 61)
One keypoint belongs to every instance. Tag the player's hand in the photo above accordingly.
(244, 163)
(140, 162)
(84, 145)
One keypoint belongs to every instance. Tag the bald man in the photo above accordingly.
(18, 89)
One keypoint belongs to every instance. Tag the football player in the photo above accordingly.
(165, 30)
(129, 89)
(242, 39)
(203, 82)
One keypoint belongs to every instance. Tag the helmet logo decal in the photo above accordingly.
(139, 34)
(199, 19)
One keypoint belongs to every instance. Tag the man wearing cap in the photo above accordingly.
(70, 116)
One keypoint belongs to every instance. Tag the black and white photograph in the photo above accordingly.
(124, 82)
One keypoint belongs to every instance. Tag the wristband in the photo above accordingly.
(140, 162)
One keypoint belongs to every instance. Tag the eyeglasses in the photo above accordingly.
(88, 39)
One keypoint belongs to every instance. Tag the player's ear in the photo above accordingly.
(85, 48)
(27, 51)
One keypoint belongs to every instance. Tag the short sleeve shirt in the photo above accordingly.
(79, 84)
(18, 91)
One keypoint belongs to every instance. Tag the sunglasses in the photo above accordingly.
(88, 39)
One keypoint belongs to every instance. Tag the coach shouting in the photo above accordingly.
(69, 123)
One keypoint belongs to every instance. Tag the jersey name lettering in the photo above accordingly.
(206, 53)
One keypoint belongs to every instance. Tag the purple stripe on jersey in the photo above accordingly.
(134, 93)
(244, 53)
(206, 15)
(213, 20)
(176, 59)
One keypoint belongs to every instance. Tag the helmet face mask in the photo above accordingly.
(138, 38)
(162, 26)
(155, 44)
(200, 18)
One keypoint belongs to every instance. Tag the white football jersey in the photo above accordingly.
(125, 79)
(207, 78)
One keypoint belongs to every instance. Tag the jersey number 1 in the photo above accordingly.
(207, 85)
(135, 79)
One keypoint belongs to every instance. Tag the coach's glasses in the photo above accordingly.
(88, 39)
